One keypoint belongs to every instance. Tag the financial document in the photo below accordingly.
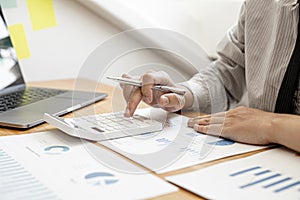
(176, 147)
(274, 174)
(52, 165)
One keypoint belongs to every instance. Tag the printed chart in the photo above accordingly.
(18, 183)
(52, 165)
(273, 174)
(267, 179)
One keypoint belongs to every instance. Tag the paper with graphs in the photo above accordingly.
(274, 174)
(176, 147)
(52, 165)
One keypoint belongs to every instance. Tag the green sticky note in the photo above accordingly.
(42, 14)
(8, 3)
(18, 37)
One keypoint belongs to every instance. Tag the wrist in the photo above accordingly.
(274, 128)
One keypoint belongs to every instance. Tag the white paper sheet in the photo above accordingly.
(52, 165)
(274, 174)
(176, 147)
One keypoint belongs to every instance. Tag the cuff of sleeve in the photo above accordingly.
(201, 100)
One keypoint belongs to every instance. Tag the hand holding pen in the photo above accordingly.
(138, 83)
(154, 88)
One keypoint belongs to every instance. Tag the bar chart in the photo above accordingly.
(268, 179)
(272, 174)
(18, 183)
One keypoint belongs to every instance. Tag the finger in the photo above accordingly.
(206, 121)
(125, 76)
(211, 120)
(156, 94)
(219, 114)
(147, 84)
(193, 120)
(128, 91)
(199, 117)
(212, 129)
(153, 78)
(215, 118)
(133, 102)
(200, 128)
(126, 88)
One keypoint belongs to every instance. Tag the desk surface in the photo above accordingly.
(106, 106)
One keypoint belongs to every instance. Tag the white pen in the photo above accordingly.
(138, 83)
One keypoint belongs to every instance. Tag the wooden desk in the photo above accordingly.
(106, 106)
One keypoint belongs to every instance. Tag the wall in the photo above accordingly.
(204, 21)
(58, 52)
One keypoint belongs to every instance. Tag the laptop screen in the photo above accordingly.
(10, 73)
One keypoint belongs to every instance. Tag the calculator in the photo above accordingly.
(104, 126)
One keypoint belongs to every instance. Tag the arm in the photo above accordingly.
(222, 83)
(286, 130)
(212, 90)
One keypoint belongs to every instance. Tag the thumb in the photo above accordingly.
(172, 102)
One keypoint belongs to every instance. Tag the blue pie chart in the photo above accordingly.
(101, 178)
(56, 150)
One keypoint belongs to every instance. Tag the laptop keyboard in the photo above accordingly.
(30, 95)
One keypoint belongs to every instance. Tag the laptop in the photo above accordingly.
(24, 107)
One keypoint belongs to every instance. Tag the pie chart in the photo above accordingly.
(101, 178)
(56, 150)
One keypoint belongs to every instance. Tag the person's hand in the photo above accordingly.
(133, 95)
(242, 124)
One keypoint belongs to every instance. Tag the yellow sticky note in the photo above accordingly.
(19, 40)
(42, 14)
